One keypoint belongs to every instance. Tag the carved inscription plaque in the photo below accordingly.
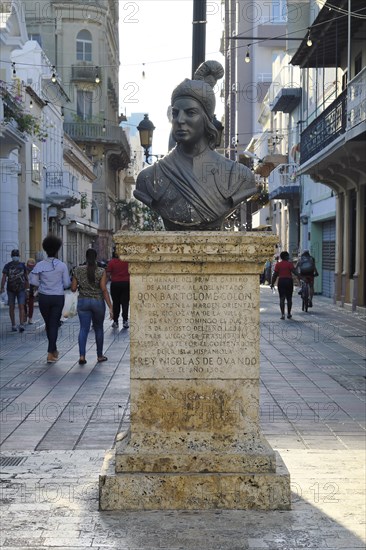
(194, 326)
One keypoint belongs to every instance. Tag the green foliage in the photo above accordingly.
(135, 216)
(261, 198)
(29, 124)
(14, 110)
(84, 201)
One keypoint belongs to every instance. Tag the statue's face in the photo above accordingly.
(187, 121)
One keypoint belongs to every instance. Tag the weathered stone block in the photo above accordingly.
(194, 440)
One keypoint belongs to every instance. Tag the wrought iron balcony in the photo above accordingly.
(61, 186)
(356, 100)
(85, 73)
(283, 182)
(111, 135)
(330, 124)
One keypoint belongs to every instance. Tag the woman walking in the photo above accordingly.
(91, 282)
(51, 276)
(284, 270)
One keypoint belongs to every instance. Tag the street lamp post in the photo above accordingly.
(146, 130)
(198, 34)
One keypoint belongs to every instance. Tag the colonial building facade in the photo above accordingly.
(295, 110)
(81, 40)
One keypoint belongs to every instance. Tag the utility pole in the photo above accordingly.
(198, 34)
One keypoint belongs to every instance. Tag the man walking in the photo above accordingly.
(117, 270)
(16, 279)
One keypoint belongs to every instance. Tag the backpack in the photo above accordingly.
(307, 265)
(16, 276)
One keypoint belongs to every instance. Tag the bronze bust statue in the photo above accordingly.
(193, 187)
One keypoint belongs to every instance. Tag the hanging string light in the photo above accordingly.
(104, 128)
(14, 71)
(97, 77)
(247, 57)
(309, 42)
(31, 104)
(143, 70)
(53, 76)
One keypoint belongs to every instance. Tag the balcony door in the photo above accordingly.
(84, 104)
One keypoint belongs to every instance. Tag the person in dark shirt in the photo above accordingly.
(283, 271)
(117, 270)
(16, 278)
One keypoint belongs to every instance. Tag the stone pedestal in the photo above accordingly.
(194, 440)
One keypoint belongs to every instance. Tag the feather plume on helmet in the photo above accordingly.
(201, 87)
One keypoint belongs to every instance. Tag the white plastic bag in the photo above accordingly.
(71, 305)
(4, 299)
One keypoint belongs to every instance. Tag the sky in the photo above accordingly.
(156, 38)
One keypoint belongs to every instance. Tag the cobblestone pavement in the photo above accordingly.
(58, 420)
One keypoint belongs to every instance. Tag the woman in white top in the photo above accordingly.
(51, 276)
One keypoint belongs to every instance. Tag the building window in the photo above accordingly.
(84, 46)
(94, 212)
(36, 164)
(279, 11)
(37, 37)
(84, 104)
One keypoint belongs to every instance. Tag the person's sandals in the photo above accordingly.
(102, 358)
(82, 361)
(51, 358)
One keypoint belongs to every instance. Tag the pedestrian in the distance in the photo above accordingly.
(284, 271)
(16, 278)
(117, 270)
(51, 277)
(91, 282)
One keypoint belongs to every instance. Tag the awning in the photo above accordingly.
(329, 34)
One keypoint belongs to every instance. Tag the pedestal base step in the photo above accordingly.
(194, 491)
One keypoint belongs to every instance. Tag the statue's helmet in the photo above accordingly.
(201, 87)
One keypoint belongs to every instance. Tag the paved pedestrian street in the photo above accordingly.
(58, 420)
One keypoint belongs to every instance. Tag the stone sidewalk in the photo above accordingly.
(58, 420)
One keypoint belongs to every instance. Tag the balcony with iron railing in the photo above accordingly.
(85, 73)
(356, 100)
(283, 182)
(61, 185)
(108, 134)
(284, 94)
(345, 115)
(325, 129)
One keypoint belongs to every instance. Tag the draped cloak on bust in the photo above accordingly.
(194, 193)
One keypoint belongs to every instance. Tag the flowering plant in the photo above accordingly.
(14, 110)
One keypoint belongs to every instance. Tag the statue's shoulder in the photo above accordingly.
(236, 171)
(239, 171)
(146, 174)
